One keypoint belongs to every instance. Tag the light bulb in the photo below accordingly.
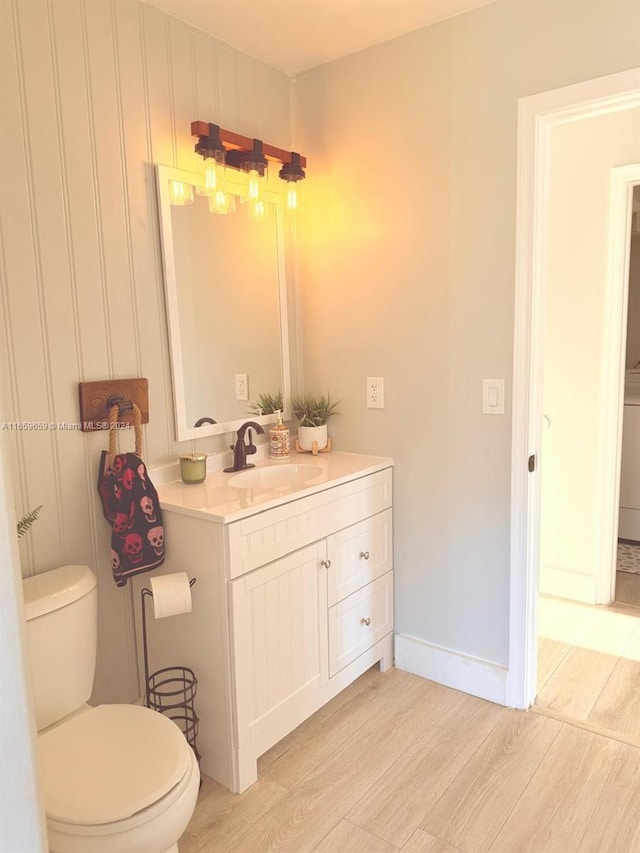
(258, 210)
(253, 186)
(222, 202)
(294, 197)
(253, 165)
(213, 178)
(180, 193)
(293, 173)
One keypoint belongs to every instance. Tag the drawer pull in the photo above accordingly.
(366, 621)
(326, 563)
(364, 555)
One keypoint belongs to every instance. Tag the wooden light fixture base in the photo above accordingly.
(236, 142)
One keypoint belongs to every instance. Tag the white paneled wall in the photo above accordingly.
(92, 94)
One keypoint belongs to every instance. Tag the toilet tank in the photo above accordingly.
(62, 631)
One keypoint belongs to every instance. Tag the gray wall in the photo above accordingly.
(407, 260)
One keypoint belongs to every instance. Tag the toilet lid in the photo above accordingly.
(110, 762)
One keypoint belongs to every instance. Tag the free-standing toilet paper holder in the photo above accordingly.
(172, 689)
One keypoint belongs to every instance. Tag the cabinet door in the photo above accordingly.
(279, 641)
(358, 555)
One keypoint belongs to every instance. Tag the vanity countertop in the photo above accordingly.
(216, 500)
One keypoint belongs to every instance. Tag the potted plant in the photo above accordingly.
(267, 404)
(312, 411)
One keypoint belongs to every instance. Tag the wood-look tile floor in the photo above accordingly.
(589, 662)
(396, 762)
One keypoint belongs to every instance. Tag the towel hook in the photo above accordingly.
(115, 408)
(119, 401)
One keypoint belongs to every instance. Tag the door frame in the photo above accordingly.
(537, 115)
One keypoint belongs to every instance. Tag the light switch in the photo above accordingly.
(493, 396)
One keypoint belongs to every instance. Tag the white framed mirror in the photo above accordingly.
(226, 298)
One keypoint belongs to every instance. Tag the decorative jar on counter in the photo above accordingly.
(193, 468)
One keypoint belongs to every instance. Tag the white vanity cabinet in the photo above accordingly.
(291, 604)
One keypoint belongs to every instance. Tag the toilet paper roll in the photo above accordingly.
(171, 595)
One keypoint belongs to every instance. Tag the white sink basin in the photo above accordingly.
(274, 476)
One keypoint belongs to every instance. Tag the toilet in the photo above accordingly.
(113, 777)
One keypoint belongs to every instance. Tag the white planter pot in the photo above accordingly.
(307, 435)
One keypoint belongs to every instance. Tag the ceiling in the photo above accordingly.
(295, 35)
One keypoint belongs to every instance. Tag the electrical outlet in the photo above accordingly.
(242, 386)
(375, 392)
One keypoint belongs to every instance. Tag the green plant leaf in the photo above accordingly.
(312, 410)
(266, 404)
(27, 520)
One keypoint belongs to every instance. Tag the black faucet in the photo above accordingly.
(241, 450)
(202, 421)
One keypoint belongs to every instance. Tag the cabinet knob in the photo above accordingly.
(326, 563)
(366, 621)
(364, 555)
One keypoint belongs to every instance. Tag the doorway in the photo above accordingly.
(539, 116)
(588, 653)
(582, 357)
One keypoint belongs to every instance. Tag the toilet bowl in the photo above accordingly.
(117, 778)
(114, 778)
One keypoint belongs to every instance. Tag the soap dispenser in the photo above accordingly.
(279, 439)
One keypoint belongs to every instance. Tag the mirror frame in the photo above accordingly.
(185, 432)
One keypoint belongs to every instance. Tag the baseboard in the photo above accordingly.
(566, 584)
(462, 672)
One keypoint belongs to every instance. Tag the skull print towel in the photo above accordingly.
(130, 504)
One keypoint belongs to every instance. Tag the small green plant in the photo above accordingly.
(311, 410)
(27, 520)
(267, 404)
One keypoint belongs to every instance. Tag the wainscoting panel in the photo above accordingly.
(94, 94)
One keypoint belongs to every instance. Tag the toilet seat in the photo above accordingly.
(155, 829)
(110, 763)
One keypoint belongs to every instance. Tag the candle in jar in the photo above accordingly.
(193, 468)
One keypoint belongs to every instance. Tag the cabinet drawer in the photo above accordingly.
(358, 555)
(359, 621)
(264, 537)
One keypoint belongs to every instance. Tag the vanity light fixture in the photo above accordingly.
(255, 165)
(293, 173)
(251, 157)
(215, 154)
(211, 148)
